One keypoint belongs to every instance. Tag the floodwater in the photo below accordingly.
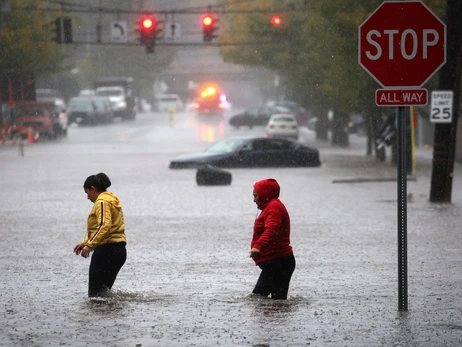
(187, 280)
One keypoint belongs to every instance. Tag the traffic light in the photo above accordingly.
(67, 30)
(148, 33)
(209, 26)
(28, 85)
(276, 28)
(276, 21)
(62, 30)
(57, 31)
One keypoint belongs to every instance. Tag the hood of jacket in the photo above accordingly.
(267, 190)
(111, 198)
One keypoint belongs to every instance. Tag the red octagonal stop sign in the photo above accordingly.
(402, 44)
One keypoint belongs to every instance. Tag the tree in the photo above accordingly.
(445, 134)
(25, 40)
(318, 54)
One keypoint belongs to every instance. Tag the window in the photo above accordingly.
(281, 119)
(225, 146)
(271, 145)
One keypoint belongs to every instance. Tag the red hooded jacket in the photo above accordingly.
(271, 231)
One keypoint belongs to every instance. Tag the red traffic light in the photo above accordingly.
(207, 20)
(209, 27)
(276, 21)
(147, 23)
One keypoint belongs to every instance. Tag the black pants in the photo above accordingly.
(275, 277)
(106, 262)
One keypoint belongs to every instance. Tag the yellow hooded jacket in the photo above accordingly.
(105, 222)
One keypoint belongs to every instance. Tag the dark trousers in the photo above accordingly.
(275, 277)
(106, 262)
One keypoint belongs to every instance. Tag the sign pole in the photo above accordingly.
(402, 211)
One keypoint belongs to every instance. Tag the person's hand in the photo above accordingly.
(254, 253)
(78, 248)
(86, 251)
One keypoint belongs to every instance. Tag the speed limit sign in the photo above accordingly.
(441, 106)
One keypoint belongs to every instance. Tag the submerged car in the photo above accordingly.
(251, 152)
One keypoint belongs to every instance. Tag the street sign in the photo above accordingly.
(401, 97)
(402, 44)
(441, 106)
(119, 31)
(172, 32)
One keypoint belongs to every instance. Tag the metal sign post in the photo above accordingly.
(402, 44)
(402, 211)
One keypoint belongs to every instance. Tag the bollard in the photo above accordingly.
(171, 119)
(21, 148)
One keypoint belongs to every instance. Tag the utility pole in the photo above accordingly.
(445, 134)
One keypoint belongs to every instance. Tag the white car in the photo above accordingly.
(282, 125)
(167, 102)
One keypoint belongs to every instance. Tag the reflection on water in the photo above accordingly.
(273, 317)
(267, 307)
(210, 130)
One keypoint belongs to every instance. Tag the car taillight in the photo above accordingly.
(196, 105)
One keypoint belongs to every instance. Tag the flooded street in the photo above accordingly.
(188, 278)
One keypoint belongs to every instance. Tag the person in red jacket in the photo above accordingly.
(270, 247)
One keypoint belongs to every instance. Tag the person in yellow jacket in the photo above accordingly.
(105, 236)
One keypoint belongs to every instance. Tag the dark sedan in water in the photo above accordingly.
(251, 152)
(256, 116)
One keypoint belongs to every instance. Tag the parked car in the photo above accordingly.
(282, 125)
(300, 113)
(166, 101)
(89, 109)
(105, 107)
(46, 118)
(256, 116)
(251, 152)
(59, 110)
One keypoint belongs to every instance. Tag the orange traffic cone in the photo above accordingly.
(30, 138)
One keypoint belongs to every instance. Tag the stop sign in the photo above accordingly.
(402, 44)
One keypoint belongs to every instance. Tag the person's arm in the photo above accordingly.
(273, 221)
(104, 218)
(78, 248)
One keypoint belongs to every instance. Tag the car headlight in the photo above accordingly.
(121, 104)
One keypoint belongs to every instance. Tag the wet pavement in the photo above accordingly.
(188, 277)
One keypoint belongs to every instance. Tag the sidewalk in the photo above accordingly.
(355, 155)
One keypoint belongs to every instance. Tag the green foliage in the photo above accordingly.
(318, 51)
(25, 40)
